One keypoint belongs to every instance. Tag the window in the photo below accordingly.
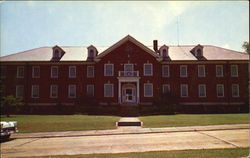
(148, 90)
(164, 53)
(165, 88)
(54, 72)
(219, 70)
(148, 70)
(128, 67)
(57, 54)
(165, 71)
(108, 90)
(198, 52)
(91, 53)
(3, 72)
(19, 91)
(202, 90)
(72, 91)
(201, 71)
(184, 90)
(20, 72)
(90, 90)
(220, 90)
(235, 90)
(90, 71)
(72, 72)
(234, 70)
(183, 70)
(53, 91)
(35, 91)
(35, 71)
(108, 69)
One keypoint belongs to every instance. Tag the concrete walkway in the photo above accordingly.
(128, 130)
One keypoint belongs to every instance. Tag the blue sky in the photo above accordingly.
(28, 24)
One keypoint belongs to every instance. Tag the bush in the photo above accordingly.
(84, 102)
(166, 102)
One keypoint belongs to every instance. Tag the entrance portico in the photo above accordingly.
(128, 90)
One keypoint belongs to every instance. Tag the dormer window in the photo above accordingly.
(92, 52)
(57, 53)
(164, 53)
(198, 52)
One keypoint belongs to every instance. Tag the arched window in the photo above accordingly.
(199, 52)
(91, 53)
(56, 54)
(164, 53)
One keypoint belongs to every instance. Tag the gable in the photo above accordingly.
(124, 40)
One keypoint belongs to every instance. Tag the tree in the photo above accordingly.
(246, 46)
(9, 101)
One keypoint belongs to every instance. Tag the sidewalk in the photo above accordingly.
(128, 130)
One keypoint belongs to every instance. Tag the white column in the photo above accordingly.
(138, 93)
(119, 92)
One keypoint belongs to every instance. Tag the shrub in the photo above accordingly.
(166, 102)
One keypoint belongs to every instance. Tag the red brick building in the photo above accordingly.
(127, 72)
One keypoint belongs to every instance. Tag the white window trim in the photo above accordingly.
(105, 74)
(167, 85)
(145, 90)
(32, 91)
(163, 66)
(199, 89)
(33, 71)
(51, 74)
(17, 72)
(181, 90)
(222, 90)
(222, 73)
(89, 76)
(238, 89)
(91, 85)
(69, 71)
(237, 73)
(17, 86)
(181, 75)
(69, 91)
(105, 95)
(199, 75)
(51, 91)
(144, 70)
(126, 65)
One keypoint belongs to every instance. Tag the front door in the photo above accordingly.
(129, 95)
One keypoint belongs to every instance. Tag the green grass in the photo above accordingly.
(211, 153)
(193, 120)
(48, 123)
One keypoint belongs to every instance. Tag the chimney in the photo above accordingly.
(155, 45)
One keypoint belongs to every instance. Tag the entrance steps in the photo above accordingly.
(129, 121)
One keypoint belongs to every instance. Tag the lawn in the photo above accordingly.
(211, 153)
(193, 120)
(42, 123)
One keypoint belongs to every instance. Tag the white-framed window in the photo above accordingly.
(91, 90)
(54, 72)
(108, 90)
(219, 70)
(20, 72)
(148, 69)
(201, 71)
(35, 91)
(90, 71)
(183, 71)
(164, 52)
(35, 71)
(19, 91)
(202, 90)
(184, 90)
(72, 91)
(108, 69)
(72, 71)
(148, 90)
(165, 88)
(220, 90)
(165, 71)
(53, 91)
(234, 70)
(128, 67)
(235, 90)
(91, 53)
(3, 72)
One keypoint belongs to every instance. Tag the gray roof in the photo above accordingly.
(79, 53)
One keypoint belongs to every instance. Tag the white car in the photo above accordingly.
(7, 128)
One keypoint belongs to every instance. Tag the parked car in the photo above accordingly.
(7, 128)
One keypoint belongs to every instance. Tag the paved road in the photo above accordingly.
(140, 142)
